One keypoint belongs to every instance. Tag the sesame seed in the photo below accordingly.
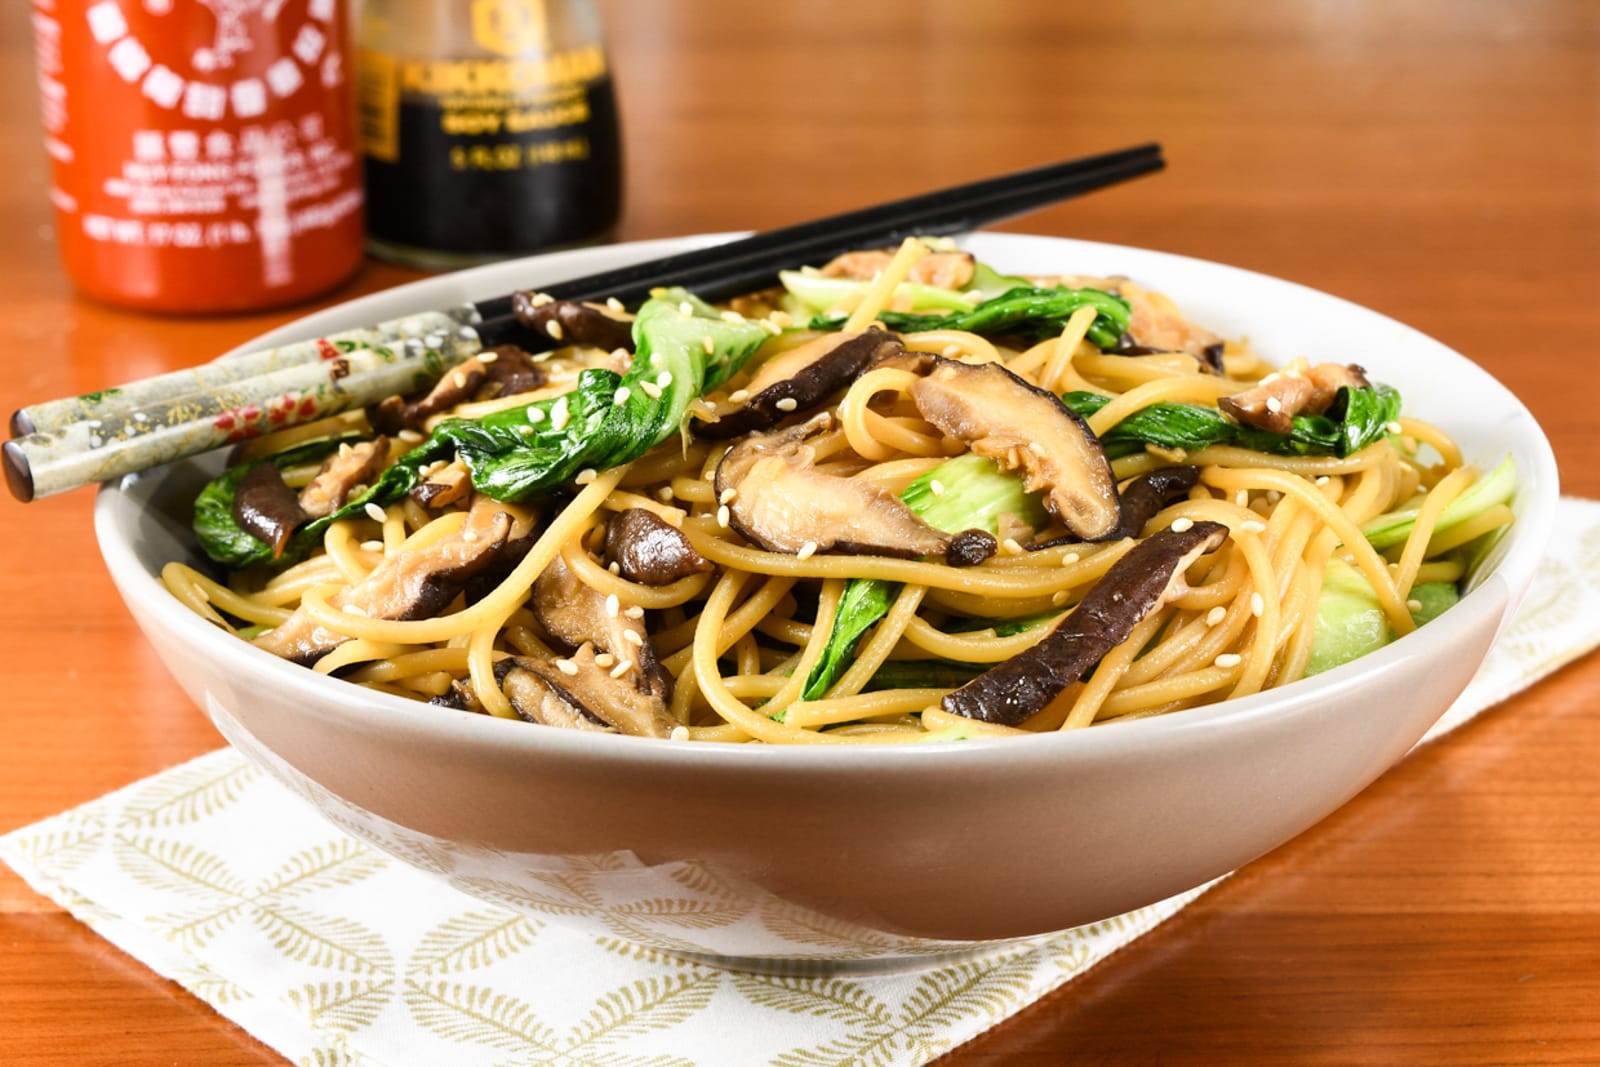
(807, 550)
(566, 666)
(553, 328)
(1322, 480)
(621, 395)
(525, 431)
(936, 487)
(1269, 379)
(585, 476)
(355, 609)
(614, 568)
(410, 437)
(1215, 616)
(356, 490)
(488, 357)
(613, 605)
(664, 494)
(559, 414)
(1228, 659)
(635, 612)
(1258, 605)
(1274, 405)
(1070, 558)
(739, 396)
(664, 379)
(469, 535)
(1182, 525)
(1058, 598)
(1036, 448)
(679, 733)
(345, 449)
(686, 309)
(1252, 526)
(708, 344)
(655, 359)
(728, 495)
(372, 546)
(632, 637)
(771, 327)
(1413, 605)
(614, 304)
(1012, 548)
(651, 390)
(622, 667)
(1242, 498)
(722, 515)
(541, 299)
(732, 316)
(375, 513)
(535, 414)
(788, 403)
(1393, 427)
(604, 659)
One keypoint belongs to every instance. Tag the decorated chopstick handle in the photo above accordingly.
(359, 368)
(432, 329)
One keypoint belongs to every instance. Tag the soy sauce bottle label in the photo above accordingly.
(506, 144)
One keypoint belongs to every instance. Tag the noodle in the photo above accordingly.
(741, 648)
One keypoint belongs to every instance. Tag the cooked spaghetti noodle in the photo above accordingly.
(751, 642)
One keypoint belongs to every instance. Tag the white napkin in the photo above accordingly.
(215, 876)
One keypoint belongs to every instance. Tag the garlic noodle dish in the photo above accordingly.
(900, 497)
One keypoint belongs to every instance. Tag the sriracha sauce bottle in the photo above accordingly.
(203, 152)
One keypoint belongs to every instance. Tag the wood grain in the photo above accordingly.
(1436, 160)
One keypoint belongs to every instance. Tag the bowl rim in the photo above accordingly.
(369, 709)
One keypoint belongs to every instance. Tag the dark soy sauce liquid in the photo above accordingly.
(427, 200)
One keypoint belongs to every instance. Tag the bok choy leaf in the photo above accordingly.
(683, 348)
(1024, 311)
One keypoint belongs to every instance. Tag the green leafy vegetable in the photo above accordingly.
(1356, 418)
(974, 493)
(1496, 487)
(1024, 311)
(223, 539)
(607, 420)
(1350, 622)
(819, 294)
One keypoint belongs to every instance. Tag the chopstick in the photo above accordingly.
(62, 444)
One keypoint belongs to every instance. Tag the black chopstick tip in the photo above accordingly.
(19, 475)
(21, 425)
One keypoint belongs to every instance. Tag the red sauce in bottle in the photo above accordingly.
(203, 151)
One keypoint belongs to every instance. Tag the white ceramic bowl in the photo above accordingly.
(791, 857)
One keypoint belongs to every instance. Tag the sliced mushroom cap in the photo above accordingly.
(409, 585)
(1149, 493)
(351, 467)
(443, 485)
(778, 501)
(572, 322)
(1137, 584)
(582, 692)
(266, 508)
(947, 270)
(574, 614)
(799, 380)
(647, 549)
(1141, 499)
(511, 370)
(1023, 427)
(1273, 403)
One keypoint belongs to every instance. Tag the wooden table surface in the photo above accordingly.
(1438, 161)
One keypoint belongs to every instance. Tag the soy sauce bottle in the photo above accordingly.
(489, 128)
